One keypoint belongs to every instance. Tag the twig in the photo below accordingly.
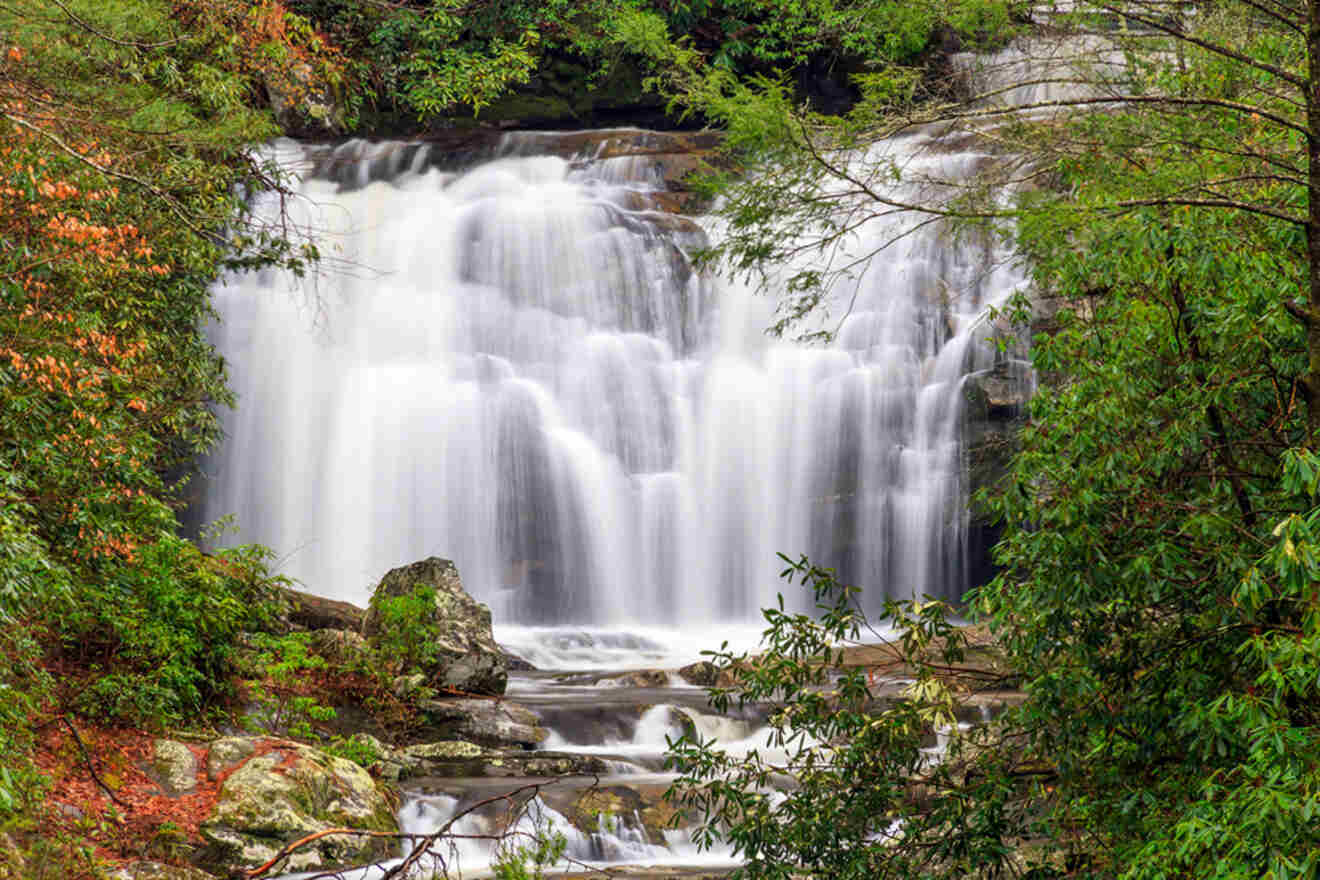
(400, 870)
(87, 759)
(303, 841)
(425, 841)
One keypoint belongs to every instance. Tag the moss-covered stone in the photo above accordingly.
(173, 766)
(222, 754)
(286, 791)
(632, 805)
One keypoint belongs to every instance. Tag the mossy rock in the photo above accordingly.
(285, 791)
(631, 805)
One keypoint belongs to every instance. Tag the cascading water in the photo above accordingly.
(518, 368)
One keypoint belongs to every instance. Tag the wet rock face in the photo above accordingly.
(467, 657)
(282, 791)
(635, 805)
(662, 160)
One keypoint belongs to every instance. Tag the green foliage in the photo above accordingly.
(158, 637)
(355, 749)
(440, 57)
(408, 630)
(529, 861)
(864, 798)
(281, 702)
(24, 686)
(124, 138)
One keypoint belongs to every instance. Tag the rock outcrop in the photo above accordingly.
(304, 104)
(639, 805)
(466, 656)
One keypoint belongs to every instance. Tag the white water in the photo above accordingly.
(522, 374)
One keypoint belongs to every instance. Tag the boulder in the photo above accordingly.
(467, 657)
(705, 674)
(638, 678)
(495, 723)
(516, 663)
(173, 767)
(227, 753)
(283, 791)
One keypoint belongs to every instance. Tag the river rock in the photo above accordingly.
(705, 674)
(495, 723)
(641, 805)
(283, 791)
(468, 659)
(637, 678)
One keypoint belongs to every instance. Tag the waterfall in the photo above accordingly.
(513, 363)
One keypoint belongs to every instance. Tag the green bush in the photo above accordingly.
(406, 641)
(281, 666)
(155, 641)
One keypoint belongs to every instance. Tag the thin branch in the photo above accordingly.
(87, 759)
(165, 197)
(1224, 51)
(1209, 203)
(130, 44)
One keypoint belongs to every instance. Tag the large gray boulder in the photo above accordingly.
(467, 657)
(275, 792)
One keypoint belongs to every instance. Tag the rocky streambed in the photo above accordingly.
(499, 758)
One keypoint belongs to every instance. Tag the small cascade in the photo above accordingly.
(612, 840)
(513, 363)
